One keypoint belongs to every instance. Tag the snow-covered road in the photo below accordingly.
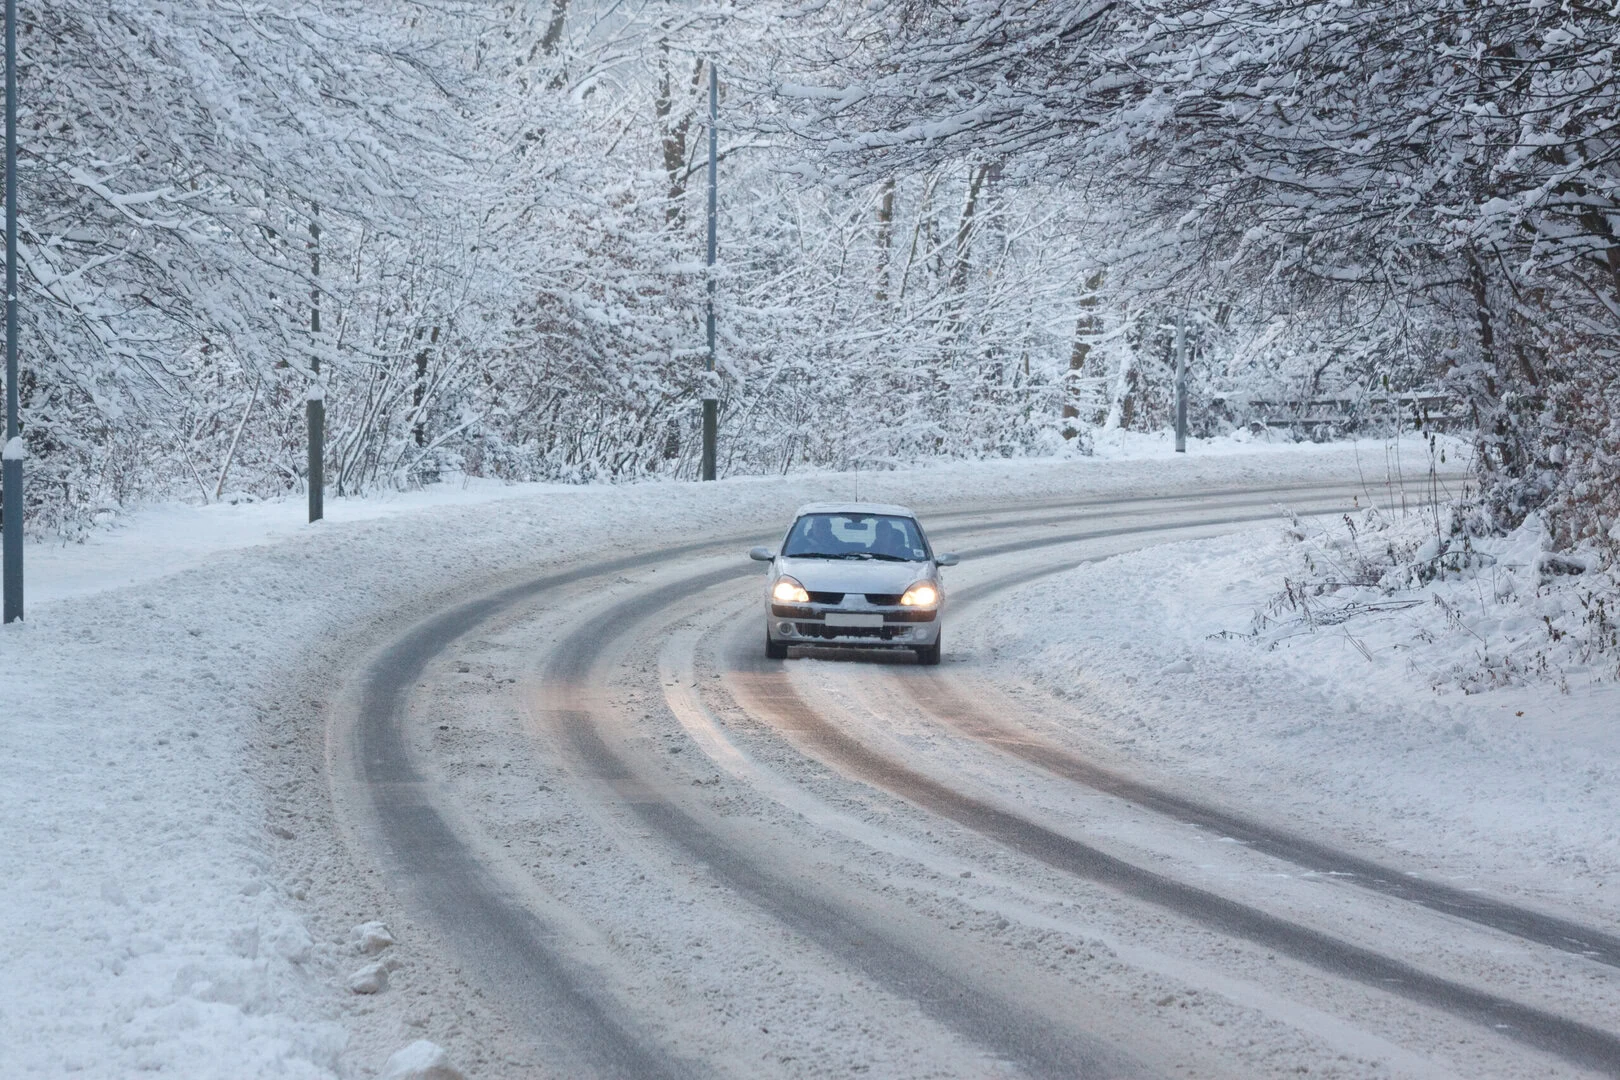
(536, 737)
(674, 857)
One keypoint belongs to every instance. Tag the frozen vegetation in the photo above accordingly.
(963, 230)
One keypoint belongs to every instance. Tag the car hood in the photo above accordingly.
(855, 576)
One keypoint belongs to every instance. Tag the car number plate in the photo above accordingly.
(839, 618)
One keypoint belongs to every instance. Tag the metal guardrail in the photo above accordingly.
(1431, 410)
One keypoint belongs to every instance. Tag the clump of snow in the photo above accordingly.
(15, 450)
(371, 979)
(421, 1060)
(371, 938)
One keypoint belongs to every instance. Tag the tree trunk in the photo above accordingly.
(964, 228)
(1084, 326)
(674, 133)
(885, 237)
(554, 29)
(419, 391)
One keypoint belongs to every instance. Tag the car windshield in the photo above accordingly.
(856, 536)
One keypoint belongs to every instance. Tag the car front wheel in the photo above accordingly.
(775, 650)
(929, 654)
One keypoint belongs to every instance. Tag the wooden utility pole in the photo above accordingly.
(1085, 325)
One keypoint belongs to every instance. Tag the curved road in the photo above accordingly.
(664, 855)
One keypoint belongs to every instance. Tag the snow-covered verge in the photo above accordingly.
(1468, 610)
(172, 899)
(1457, 711)
(162, 539)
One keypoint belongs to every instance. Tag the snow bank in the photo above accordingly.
(163, 539)
(1474, 612)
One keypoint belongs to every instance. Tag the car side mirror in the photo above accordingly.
(761, 554)
(947, 558)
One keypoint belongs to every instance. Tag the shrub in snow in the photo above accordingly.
(1473, 609)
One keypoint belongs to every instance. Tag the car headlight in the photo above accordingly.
(922, 594)
(788, 591)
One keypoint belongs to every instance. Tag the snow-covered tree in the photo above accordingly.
(1441, 175)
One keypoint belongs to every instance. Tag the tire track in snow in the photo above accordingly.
(1581, 1044)
(930, 688)
(682, 695)
(841, 929)
(504, 942)
(515, 948)
(933, 693)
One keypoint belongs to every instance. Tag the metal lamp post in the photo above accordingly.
(711, 401)
(315, 402)
(11, 470)
(1181, 384)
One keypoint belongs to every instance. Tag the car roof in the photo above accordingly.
(854, 508)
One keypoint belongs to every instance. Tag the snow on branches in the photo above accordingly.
(476, 233)
(1440, 176)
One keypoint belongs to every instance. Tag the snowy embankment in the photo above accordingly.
(161, 910)
(1453, 703)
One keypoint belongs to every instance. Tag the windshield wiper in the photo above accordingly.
(838, 555)
(847, 555)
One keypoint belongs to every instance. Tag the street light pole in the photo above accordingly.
(1181, 384)
(315, 405)
(711, 402)
(11, 467)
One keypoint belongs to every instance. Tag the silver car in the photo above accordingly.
(855, 575)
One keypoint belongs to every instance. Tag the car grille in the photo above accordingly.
(799, 611)
(878, 599)
(821, 630)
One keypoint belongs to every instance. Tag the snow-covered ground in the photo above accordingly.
(1466, 721)
(156, 916)
(157, 541)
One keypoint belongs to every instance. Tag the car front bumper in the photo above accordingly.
(843, 627)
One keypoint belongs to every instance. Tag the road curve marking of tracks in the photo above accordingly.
(520, 953)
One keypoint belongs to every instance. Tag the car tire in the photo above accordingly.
(775, 650)
(928, 655)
